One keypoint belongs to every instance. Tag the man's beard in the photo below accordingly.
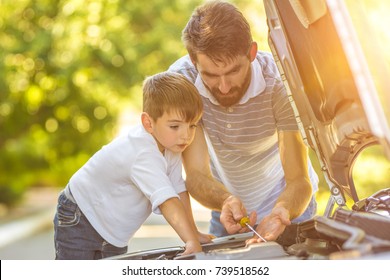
(233, 96)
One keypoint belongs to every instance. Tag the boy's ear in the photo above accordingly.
(147, 122)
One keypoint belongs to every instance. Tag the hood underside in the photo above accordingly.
(334, 96)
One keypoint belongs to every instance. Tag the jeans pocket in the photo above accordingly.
(68, 212)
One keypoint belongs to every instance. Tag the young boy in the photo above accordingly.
(111, 196)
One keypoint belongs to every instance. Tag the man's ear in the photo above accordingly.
(193, 60)
(253, 51)
(147, 122)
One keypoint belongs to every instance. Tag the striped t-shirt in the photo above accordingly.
(243, 138)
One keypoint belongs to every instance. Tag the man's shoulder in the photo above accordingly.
(267, 63)
(185, 67)
(265, 58)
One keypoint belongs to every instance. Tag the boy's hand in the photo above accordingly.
(205, 238)
(192, 247)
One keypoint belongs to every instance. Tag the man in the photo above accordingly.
(248, 155)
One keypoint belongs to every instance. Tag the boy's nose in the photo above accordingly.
(186, 134)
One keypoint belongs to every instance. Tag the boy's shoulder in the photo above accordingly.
(132, 136)
(138, 133)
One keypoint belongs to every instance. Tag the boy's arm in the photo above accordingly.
(185, 199)
(175, 214)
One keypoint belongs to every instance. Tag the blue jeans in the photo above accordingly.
(74, 236)
(217, 229)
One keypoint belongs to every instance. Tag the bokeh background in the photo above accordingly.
(71, 74)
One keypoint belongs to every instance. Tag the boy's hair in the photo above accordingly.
(219, 30)
(169, 91)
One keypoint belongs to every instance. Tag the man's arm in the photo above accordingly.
(298, 192)
(199, 180)
(209, 192)
(293, 201)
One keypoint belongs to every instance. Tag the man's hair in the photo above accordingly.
(219, 30)
(169, 91)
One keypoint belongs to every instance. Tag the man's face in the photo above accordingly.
(227, 82)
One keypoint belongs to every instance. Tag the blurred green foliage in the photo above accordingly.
(66, 68)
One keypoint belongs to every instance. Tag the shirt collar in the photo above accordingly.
(256, 86)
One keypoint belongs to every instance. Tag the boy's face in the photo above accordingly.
(172, 132)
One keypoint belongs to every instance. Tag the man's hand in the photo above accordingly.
(232, 212)
(272, 225)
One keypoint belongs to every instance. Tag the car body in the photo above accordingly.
(331, 86)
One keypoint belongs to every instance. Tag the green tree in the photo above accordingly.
(66, 68)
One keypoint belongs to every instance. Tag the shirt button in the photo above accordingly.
(228, 125)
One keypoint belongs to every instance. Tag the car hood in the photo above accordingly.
(337, 84)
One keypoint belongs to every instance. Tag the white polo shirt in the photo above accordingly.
(119, 187)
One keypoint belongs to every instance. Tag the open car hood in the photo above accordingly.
(328, 74)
